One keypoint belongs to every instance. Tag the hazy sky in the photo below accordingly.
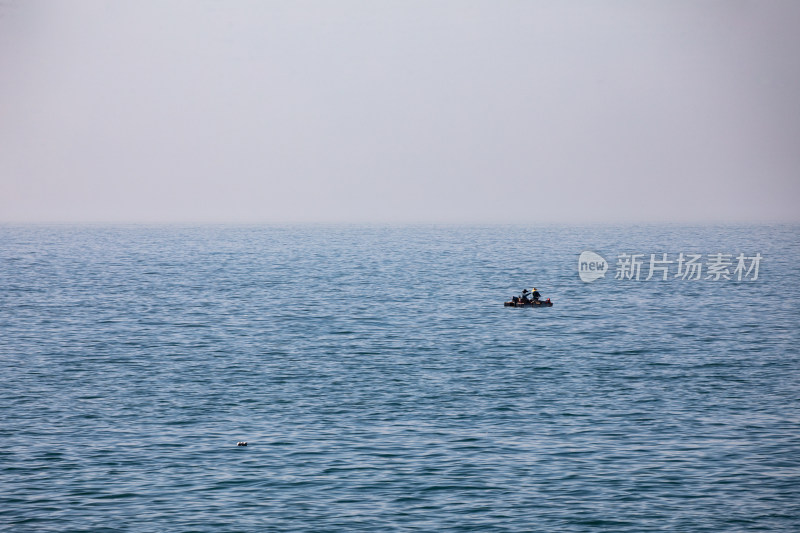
(407, 111)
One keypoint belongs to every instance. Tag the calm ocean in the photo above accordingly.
(381, 384)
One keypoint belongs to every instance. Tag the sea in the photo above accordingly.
(381, 384)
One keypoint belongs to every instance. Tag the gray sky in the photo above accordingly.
(407, 111)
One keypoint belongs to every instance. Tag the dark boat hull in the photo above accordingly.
(531, 304)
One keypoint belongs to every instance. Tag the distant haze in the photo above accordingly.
(406, 111)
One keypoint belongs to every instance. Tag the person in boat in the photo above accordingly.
(525, 298)
(535, 295)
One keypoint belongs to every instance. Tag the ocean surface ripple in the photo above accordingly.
(381, 384)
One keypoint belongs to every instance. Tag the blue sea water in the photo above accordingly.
(381, 384)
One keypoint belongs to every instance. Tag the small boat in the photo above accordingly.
(518, 302)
